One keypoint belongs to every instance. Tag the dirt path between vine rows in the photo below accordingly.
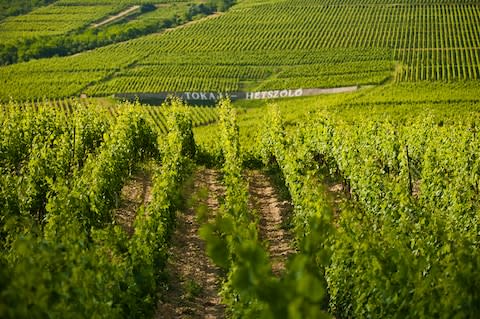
(194, 281)
(135, 193)
(274, 212)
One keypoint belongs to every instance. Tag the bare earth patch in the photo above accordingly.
(194, 281)
(416, 189)
(273, 212)
(337, 195)
(135, 193)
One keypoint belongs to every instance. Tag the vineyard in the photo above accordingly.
(157, 116)
(61, 17)
(53, 20)
(359, 204)
(62, 252)
(409, 171)
(274, 45)
(65, 28)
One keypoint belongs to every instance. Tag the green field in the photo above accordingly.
(273, 45)
(68, 27)
(362, 204)
(56, 19)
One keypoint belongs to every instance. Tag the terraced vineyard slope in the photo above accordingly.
(72, 26)
(274, 45)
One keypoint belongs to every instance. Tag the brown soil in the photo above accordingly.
(336, 194)
(273, 213)
(135, 193)
(194, 282)
(416, 189)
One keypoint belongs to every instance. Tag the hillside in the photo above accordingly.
(70, 26)
(341, 181)
(271, 45)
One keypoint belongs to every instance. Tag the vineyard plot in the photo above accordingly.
(58, 199)
(279, 45)
(404, 234)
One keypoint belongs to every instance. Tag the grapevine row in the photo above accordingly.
(250, 288)
(66, 108)
(432, 41)
(79, 261)
(411, 230)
